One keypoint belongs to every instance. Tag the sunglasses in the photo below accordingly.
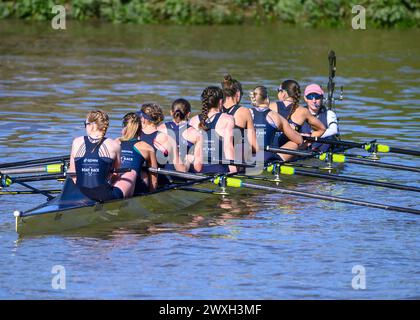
(315, 96)
(86, 123)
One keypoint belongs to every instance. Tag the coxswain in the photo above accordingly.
(288, 107)
(314, 98)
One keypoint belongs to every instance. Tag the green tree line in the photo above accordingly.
(306, 13)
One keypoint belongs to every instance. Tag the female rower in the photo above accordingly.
(217, 128)
(189, 141)
(288, 107)
(314, 97)
(134, 154)
(94, 157)
(268, 122)
(165, 146)
(232, 93)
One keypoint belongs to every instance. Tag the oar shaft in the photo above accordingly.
(338, 177)
(404, 151)
(37, 178)
(332, 198)
(35, 161)
(372, 163)
(292, 152)
(50, 168)
(20, 192)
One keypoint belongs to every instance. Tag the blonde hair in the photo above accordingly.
(258, 96)
(132, 125)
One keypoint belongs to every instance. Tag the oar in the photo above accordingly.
(19, 192)
(342, 158)
(238, 183)
(49, 168)
(35, 162)
(375, 163)
(368, 146)
(290, 170)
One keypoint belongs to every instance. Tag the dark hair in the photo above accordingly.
(209, 100)
(258, 95)
(154, 111)
(230, 86)
(293, 91)
(180, 108)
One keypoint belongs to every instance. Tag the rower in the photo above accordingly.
(189, 141)
(288, 107)
(217, 129)
(314, 98)
(232, 94)
(134, 155)
(94, 157)
(268, 122)
(164, 145)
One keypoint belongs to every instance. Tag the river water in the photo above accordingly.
(267, 246)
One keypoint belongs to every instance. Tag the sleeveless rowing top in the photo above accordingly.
(131, 157)
(149, 138)
(213, 148)
(265, 129)
(93, 171)
(284, 111)
(239, 133)
(184, 146)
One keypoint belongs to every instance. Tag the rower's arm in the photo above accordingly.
(227, 134)
(197, 140)
(174, 153)
(317, 126)
(332, 124)
(152, 163)
(283, 126)
(250, 131)
(72, 166)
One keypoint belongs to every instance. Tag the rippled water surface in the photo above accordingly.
(264, 246)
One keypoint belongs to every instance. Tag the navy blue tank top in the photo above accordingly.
(184, 146)
(213, 148)
(149, 138)
(93, 171)
(130, 157)
(265, 129)
(280, 138)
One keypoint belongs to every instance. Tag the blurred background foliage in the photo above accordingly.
(306, 13)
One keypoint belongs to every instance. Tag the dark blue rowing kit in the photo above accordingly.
(213, 148)
(132, 158)
(93, 171)
(238, 139)
(265, 129)
(177, 131)
(280, 138)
